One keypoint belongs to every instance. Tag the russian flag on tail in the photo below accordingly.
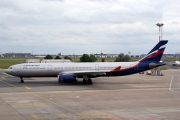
(156, 53)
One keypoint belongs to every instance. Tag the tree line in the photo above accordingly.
(57, 57)
(91, 58)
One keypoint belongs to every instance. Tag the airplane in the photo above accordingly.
(70, 72)
(176, 63)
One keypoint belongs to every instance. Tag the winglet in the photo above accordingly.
(117, 69)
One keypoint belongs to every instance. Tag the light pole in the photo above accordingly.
(160, 25)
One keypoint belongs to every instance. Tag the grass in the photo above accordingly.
(98, 59)
(161, 68)
(7, 62)
(168, 59)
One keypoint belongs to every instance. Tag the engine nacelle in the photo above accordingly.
(66, 78)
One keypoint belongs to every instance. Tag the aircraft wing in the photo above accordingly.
(90, 72)
(77, 73)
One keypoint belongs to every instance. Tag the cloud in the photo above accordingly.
(87, 26)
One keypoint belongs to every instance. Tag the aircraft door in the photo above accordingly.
(96, 67)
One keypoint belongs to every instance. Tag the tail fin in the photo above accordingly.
(156, 53)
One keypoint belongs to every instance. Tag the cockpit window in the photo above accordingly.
(10, 68)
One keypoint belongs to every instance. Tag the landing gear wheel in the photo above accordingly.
(22, 81)
(89, 81)
(84, 81)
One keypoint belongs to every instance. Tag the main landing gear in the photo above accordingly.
(21, 81)
(86, 80)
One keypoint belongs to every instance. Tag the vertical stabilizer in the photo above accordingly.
(156, 53)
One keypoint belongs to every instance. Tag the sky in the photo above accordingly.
(88, 26)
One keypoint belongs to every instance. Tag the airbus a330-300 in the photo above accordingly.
(70, 72)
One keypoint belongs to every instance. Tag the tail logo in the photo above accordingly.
(155, 53)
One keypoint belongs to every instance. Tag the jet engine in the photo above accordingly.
(66, 78)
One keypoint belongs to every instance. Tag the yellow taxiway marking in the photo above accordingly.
(28, 88)
(29, 105)
(8, 83)
(45, 99)
(3, 77)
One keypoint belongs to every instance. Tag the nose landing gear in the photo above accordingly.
(21, 81)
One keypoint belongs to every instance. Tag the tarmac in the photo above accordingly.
(133, 97)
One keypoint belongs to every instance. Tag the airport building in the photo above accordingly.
(18, 55)
(29, 55)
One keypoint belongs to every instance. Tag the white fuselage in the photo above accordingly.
(53, 69)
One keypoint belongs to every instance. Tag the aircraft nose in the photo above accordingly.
(6, 71)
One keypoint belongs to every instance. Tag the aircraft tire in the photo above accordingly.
(89, 81)
(84, 81)
(22, 81)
